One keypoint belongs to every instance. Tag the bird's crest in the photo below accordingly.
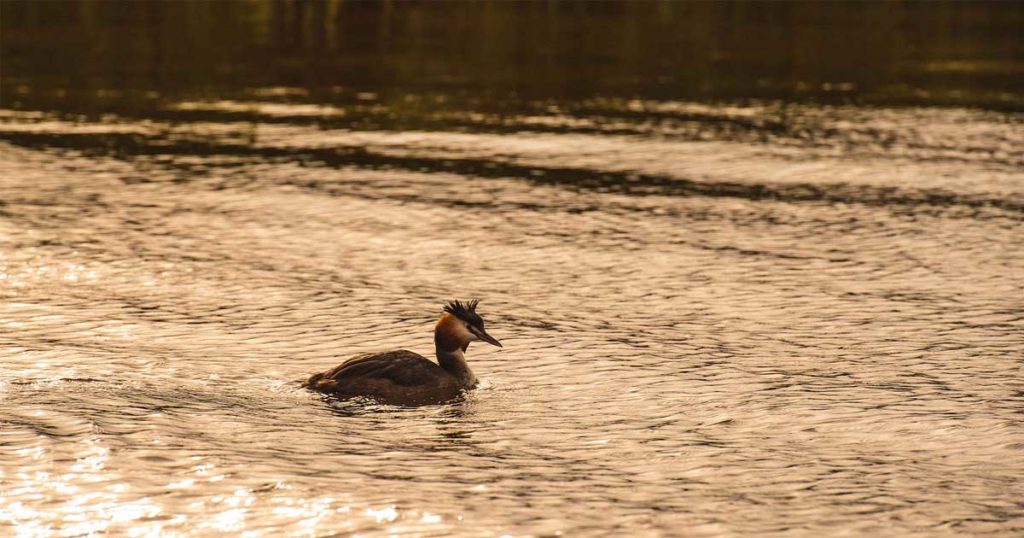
(465, 311)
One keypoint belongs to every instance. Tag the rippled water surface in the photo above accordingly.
(742, 317)
(713, 324)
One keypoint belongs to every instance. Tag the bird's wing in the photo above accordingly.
(400, 367)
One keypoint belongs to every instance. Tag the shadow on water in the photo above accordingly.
(627, 183)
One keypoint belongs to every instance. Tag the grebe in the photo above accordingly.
(406, 378)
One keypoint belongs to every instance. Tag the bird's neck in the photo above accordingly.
(451, 351)
(454, 362)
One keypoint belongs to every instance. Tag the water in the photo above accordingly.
(721, 317)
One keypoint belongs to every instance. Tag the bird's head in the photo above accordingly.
(460, 325)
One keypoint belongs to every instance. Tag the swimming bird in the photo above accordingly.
(405, 378)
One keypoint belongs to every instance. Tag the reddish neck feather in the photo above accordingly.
(447, 336)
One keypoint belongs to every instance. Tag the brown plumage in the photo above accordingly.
(406, 378)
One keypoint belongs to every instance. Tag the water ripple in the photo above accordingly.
(813, 321)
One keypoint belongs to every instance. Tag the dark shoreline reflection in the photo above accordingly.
(98, 55)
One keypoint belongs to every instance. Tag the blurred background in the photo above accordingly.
(96, 54)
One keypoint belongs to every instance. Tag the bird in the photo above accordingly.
(401, 377)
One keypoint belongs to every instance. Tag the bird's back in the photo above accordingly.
(397, 377)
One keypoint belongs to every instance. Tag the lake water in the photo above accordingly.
(729, 308)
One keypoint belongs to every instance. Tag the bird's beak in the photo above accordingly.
(485, 337)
